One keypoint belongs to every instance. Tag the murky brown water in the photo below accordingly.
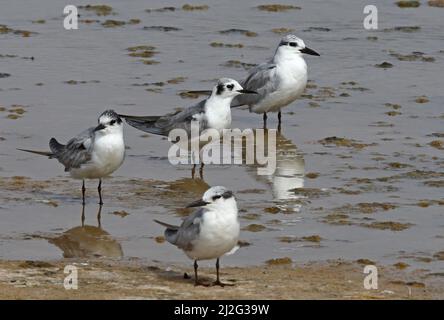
(373, 192)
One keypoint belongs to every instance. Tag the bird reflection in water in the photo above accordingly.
(289, 172)
(86, 241)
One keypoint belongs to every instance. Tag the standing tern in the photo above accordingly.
(213, 112)
(279, 81)
(209, 232)
(93, 154)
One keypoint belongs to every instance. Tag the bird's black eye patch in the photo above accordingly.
(119, 121)
(227, 194)
(216, 197)
(293, 44)
(220, 88)
(112, 122)
(230, 86)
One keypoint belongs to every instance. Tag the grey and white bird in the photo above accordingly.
(278, 81)
(93, 154)
(209, 232)
(213, 112)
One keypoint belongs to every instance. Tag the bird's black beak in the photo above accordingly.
(99, 127)
(198, 203)
(247, 91)
(310, 51)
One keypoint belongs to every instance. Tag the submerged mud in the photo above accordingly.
(359, 157)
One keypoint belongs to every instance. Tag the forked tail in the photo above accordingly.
(42, 153)
(170, 232)
(54, 145)
(169, 226)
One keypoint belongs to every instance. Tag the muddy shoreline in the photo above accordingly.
(359, 159)
(110, 279)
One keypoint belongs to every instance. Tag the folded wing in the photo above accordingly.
(162, 125)
(76, 152)
(259, 79)
(189, 230)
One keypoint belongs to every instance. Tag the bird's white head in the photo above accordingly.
(228, 88)
(291, 45)
(109, 123)
(217, 198)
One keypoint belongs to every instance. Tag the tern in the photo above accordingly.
(278, 81)
(209, 232)
(213, 112)
(93, 154)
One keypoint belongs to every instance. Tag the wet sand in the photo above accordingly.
(135, 280)
(360, 157)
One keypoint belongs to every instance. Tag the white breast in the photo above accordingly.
(107, 156)
(218, 114)
(219, 234)
(289, 83)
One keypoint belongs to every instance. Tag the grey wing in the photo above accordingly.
(183, 119)
(259, 79)
(189, 230)
(77, 151)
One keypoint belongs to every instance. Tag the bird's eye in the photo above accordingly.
(293, 44)
(216, 197)
(112, 122)
(230, 86)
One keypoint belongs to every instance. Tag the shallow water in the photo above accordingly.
(348, 173)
